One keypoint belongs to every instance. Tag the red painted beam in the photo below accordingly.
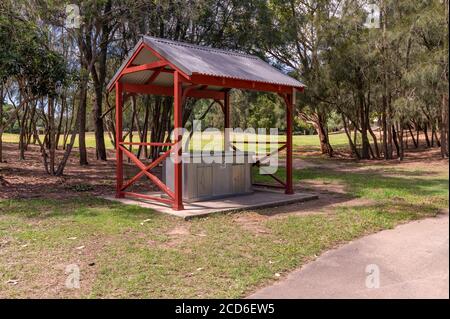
(278, 180)
(147, 143)
(147, 168)
(188, 89)
(206, 94)
(226, 120)
(178, 124)
(149, 197)
(258, 162)
(144, 67)
(288, 98)
(154, 76)
(119, 154)
(143, 168)
(139, 49)
(168, 91)
(257, 142)
(239, 84)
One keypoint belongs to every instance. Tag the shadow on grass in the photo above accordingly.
(374, 184)
(83, 206)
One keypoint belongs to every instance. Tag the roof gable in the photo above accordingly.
(194, 59)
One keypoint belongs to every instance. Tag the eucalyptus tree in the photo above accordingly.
(30, 65)
(413, 49)
(216, 23)
(292, 33)
(429, 75)
(99, 21)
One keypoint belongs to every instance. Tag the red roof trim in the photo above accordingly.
(239, 84)
(117, 76)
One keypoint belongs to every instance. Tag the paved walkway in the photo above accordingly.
(412, 261)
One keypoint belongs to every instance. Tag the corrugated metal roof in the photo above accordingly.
(195, 59)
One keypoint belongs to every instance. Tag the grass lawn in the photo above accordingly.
(127, 251)
(90, 139)
(338, 140)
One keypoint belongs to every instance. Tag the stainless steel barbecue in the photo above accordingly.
(207, 177)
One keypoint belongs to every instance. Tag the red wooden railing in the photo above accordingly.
(282, 184)
(146, 170)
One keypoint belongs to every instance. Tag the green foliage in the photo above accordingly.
(26, 58)
(354, 75)
(81, 187)
(266, 111)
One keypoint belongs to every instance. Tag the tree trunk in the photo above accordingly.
(1, 122)
(98, 72)
(418, 134)
(69, 147)
(375, 142)
(394, 138)
(400, 132)
(162, 113)
(21, 122)
(445, 143)
(365, 147)
(30, 134)
(82, 121)
(387, 131)
(390, 138)
(318, 121)
(131, 127)
(415, 142)
(444, 127)
(61, 117)
(349, 137)
(385, 134)
(144, 131)
(325, 145)
(98, 123)
(425, 132)
(68, 125)
(52, 135)
(434, 136)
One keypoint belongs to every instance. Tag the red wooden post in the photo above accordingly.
(226, 110)
(289, 132)
(119, 154)
(178, 122)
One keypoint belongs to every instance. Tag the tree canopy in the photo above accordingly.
(377, 70)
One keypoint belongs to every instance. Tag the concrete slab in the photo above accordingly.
(259, 199)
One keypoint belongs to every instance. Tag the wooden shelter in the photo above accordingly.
(162, 67)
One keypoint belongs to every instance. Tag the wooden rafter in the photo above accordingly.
(145, 67)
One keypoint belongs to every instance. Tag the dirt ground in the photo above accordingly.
(28, 179)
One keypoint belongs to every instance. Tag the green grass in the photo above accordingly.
(379, 183)
(90, 139)
(218, 256)
(310, 142)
